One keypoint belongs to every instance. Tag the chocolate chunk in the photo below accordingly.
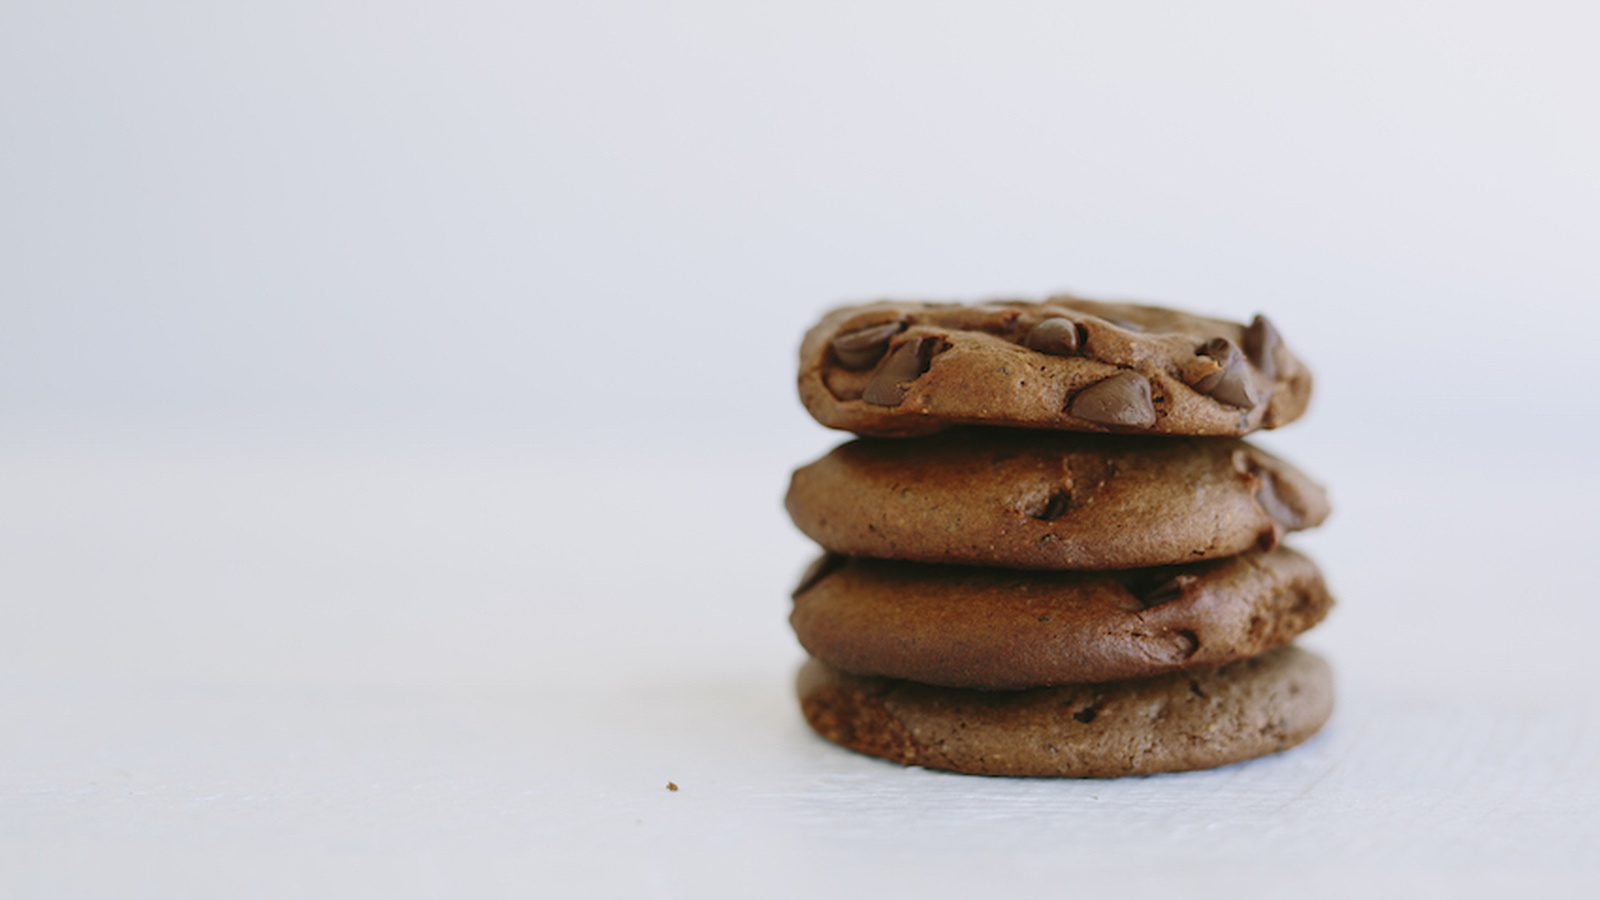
(862, 348)
(1230, 384)
(1057, 337)
(906, 364)
(1261, 342)
(1122, 399)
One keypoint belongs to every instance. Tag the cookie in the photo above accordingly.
(1172, 723)
(1050, 500)
(1000, 629)
(899, 369)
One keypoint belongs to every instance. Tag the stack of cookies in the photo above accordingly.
(1049, 552)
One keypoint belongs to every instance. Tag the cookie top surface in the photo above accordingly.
(1000, 629)
(903, 368)
(1172, 723)
(1050, 500)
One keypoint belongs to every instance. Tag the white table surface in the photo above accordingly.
(358, 671)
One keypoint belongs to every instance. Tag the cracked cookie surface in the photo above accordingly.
(1001, 629)
(1050, 500)
(1171, 723)
(902, 368)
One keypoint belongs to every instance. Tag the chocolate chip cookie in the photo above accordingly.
(900, 368)
(1050, 500)
(1177, 722)
(1002, 629)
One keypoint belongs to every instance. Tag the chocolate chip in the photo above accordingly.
(1057, 337)
(1232, 386)
(906, 364)
(1122, 399)
(1090, 712)
(1274, 505)
(1231, 383)
(1155, 586)
(1261, 342)
(1188, 640)
(1165, 592)
(860, 349)
(1055, 507)
(1173, 646)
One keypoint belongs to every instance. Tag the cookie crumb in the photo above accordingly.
(672, 786)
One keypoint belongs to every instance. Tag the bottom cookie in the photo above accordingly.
(1172, 723)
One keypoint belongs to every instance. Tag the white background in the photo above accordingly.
(397, 399)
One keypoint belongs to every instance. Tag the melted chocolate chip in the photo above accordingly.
(1122, 399)
(906, 364)
(1057, 337)
(1188, 640)
(862, 348)
(1274, 505)
(1154, 587)
(1261, 342)
(1165, 592)
(1054, 508)
(1171, 647)
(1230, 384)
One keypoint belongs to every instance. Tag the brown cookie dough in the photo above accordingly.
(1000, 629)
(1172, 723)
(1050, 500)
(899, 368)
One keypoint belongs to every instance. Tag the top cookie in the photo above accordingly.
(898, 369)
